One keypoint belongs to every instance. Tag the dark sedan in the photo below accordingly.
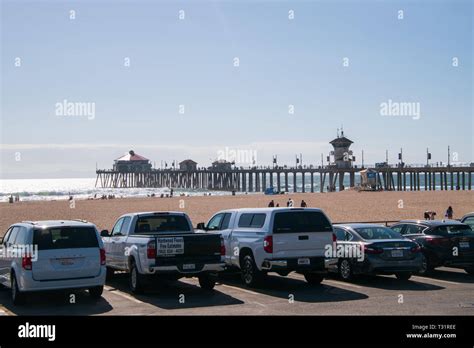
(373, 249)
(443, 243)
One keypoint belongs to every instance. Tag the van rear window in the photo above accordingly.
(65, 238)
(301, 221)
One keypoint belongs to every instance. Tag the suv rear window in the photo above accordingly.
(162, 223)
(65, 238)
(301, 221)
(452, 229)
(252, 220)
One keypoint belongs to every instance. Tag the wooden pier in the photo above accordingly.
(285, 179)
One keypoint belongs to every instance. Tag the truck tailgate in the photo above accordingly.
(193, 248)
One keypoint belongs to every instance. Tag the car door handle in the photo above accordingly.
(303, 237)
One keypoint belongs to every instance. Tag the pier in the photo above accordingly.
(133, 170)
(258, 179)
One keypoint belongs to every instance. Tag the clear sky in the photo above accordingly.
(190, 62)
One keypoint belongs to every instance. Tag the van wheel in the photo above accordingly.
(110, 273)
(18, 297)
(403, 276)
(96, 292)
(345, 270)
(251, 276)
(207, 282)
(313, 278)
(136, 279)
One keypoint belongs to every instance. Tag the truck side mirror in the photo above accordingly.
(201, 226)
(104, 233)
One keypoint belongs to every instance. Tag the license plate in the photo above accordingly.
(66, 262)
(189, 266)
(303, 261)
(168, 246)
(397, 253)
(464, 245)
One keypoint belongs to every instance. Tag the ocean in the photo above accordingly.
(84, 188)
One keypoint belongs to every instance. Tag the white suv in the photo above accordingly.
(281, 240)
(52, 255)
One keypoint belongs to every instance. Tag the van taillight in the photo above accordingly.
(102, 257)
(26, 263)
(151, 250)
(268, 244)
(222, 247)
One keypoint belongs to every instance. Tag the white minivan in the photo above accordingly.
(52, 255)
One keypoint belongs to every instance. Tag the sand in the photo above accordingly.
(347, 206)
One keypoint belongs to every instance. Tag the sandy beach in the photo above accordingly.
(347, 206)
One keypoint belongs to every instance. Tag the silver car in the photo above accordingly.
(373, 249)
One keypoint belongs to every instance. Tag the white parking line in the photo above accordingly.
(240, 289)
(338, 283)
(122, 294)
(427, 280)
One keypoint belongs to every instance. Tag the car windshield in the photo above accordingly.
(377, 232)
(162, 223)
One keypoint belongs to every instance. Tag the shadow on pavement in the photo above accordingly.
(56, 303)
(167, 294)
(282, 287)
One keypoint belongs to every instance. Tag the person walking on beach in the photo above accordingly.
(303, 204)
(271, 204)
(449, 213)
(290, 203)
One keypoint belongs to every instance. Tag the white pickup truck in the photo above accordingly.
(281, 240)
(162, 243)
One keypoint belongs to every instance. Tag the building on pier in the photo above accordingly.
(343, 157)
(188, 165)
(132, 162)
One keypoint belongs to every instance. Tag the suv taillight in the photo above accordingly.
(222, 247)
(268, 244)
(102, 257)
(26, 263)
(151, 250)
(436, 240)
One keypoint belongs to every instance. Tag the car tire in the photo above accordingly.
(251, 276)
(136, 279)
(345, 270)
(18, 297)
(313, 278)
(469, 270)
(426, 268)
(110, 273)
(96, 292)
(403, 276)
(207, 282)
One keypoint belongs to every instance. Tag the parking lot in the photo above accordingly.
(447, 291)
